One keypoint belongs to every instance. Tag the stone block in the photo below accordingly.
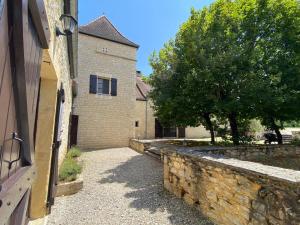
(69, 188)
(189, 199)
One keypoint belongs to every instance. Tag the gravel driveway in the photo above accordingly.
(122, 187)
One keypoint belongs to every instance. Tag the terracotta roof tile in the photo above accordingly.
(103, 28)
(142, 89)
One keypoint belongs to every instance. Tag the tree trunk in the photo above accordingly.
(277, 131)
(234, 128)
(210, 127)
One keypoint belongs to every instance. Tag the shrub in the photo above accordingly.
(74, 152)
(295, 141)
(69, 170)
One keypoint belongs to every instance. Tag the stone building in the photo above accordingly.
(144, 114)
(105, 103)
(111, 105)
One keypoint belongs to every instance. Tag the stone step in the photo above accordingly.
(153, 154)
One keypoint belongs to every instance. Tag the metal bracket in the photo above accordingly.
(15, 138)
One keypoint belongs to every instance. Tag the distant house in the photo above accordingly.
(144, 114)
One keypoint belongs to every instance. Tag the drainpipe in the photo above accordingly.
(146, 124)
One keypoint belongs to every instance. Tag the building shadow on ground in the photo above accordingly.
(144, 175)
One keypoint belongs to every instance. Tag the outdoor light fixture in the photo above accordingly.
(69, 24)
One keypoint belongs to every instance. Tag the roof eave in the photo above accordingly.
(97, 36)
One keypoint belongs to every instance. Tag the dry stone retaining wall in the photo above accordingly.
(233, 192)
(253, 152)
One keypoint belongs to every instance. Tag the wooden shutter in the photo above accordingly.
(105, 86)
(93, 84)
(114, 86)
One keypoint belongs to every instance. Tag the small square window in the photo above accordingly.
(136, 123)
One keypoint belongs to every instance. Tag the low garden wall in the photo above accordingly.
(139, 145)
(234, 192)
(252, 151)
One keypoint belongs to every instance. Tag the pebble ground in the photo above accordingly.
(122, 187)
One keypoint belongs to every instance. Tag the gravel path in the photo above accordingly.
(122, 187)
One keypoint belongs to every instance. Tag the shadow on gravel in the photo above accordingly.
(145, 176)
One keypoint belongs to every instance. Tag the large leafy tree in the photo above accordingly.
(235, 60)
(274, 30)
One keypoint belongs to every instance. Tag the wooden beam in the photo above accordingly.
(40, 20)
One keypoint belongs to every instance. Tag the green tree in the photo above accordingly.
(273, 30)
(234, 60)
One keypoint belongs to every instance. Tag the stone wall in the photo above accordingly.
(58, 52)
(233, 192)
(252, 152)
(104, 120)
(139, 146)
(196, 132)
(55, 71)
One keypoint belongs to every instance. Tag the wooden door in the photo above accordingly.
(181, 132)
(20, 60)
(158, 129)
(74, 130)
(53, 179)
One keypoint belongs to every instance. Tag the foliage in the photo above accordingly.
(74, 152)
(231, 62)
(145, 79)
(292, 124)
(255, 126)
(296, 141)
(69, 170)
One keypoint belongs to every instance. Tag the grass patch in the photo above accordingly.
(69, 170)
(74, 152)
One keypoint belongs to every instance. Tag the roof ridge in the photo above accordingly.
(99, 17)
(110, 32)
(116, 28)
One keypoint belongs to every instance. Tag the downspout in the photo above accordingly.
(146, 124)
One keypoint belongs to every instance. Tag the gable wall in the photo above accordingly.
(105, 121)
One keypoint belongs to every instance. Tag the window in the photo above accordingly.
(136, 123)
(102, 86)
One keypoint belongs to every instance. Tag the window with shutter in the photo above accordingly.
(100, 85)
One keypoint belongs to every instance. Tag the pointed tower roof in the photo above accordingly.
(103, 28)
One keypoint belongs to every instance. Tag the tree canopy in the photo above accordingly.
(232, 61)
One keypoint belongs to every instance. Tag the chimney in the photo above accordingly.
(138, 73)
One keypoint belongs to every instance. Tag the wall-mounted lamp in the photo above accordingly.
(69, 24)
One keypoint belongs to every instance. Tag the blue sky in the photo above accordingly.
(149, 23)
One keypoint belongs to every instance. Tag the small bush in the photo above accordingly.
(69, 170)
(296, 141)
(74, 152)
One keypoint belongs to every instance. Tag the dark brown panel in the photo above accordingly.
(7, 144)
(4, 40)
